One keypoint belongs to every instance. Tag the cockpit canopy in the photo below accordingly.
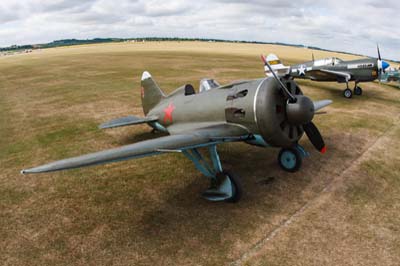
(331, 61)
(208, 84)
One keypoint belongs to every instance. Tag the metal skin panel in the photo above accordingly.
(205, 109)
(239, 106)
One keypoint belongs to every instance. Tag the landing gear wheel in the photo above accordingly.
(357, 90)
(347, 93)
(236, 185)
(290, 159)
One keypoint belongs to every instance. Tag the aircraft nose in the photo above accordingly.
(385, 64)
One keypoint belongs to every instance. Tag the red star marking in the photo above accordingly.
(168, 113)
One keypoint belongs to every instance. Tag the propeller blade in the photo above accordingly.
(379, 64)
(263, 59)
(315, 137)
(318, 105)
(287, 92)
(379, 54)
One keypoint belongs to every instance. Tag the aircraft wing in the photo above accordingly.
(343, 75)
(174, 143)
(127, 121)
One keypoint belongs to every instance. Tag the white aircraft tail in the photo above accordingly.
(276, 65)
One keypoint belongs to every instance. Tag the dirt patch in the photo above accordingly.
(338, 220)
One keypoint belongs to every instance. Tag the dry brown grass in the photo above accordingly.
(148, 211)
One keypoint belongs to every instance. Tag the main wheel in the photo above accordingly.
(236, 186)
(289, 159)
(357, 90)
(347, 93)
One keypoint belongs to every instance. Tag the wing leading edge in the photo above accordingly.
(340, 74)
(200, 138)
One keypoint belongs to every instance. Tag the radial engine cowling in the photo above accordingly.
(280, 123)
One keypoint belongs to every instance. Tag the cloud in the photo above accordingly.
(353, 26)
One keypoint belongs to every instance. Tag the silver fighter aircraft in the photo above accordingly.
(267, 112)
(332, 69)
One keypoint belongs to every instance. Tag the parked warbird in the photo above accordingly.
(392, 74)
(264, 112)
(332, 69)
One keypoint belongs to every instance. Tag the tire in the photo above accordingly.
(347, 93)
(290, 159)
(236, 185)
(357, 90)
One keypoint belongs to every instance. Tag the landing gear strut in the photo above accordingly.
(347, 92)
(224, 185)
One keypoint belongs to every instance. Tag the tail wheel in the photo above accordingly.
(290, 159)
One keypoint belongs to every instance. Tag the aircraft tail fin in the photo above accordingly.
(151, 92)
(276, 65)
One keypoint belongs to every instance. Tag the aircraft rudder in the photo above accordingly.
(151, 93)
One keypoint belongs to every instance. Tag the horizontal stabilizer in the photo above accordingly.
(127, 121)
(321, 104)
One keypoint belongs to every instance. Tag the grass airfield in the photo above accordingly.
(341, 208)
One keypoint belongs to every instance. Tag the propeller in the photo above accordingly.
(379, 53)
(381, 64)
(300, 111)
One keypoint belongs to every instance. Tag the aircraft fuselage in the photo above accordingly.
(361, 70)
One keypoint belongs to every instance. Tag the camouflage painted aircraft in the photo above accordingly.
(332, 69)
(265, 112)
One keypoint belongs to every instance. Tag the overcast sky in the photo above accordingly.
(351, 25)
